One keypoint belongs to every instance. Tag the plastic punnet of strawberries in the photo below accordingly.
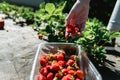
(59, 67)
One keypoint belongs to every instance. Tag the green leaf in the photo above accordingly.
(50, 7)
(42, 6)
(115, 34)
(60, 8)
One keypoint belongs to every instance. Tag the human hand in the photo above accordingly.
(76, 19)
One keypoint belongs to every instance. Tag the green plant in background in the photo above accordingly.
(68, 5)
(15, 12)
(94, 33)
(95, 7)
(54, 19)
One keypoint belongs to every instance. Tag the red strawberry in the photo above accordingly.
(60, 57)
(71, 72)
(61, 63)
(80, 74)
(43, 71)
(41, 77)
(62, 53)
(44, 56)
(67, 77)
(55, 67)
(69, 29)
(58, 75)
(76, 29)
(43, 62)
(70, 62)
(48, 67)
(55, 57)
(48, 63)
(50, 76)
(72, 57)
(65, 71)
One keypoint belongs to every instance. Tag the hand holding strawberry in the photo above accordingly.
(76, 19)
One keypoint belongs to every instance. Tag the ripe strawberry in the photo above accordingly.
(43, 62)
(58, 75)
(69, 29)
(74, 57)
(62, 63)
(55, 67)
(80, 74)
(43, 71)
(76, 29)
(48, 63)
(41, 77)
(55, 57)
(48, 67)
(70, 62)
(44, 56)
(50, 76)
(68, 77)
(72, 72)
(65, 71)
(60, 57)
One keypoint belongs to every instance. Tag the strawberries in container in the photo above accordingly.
(59, 67)
(62, 61)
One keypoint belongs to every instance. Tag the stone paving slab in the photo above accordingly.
(18, 46)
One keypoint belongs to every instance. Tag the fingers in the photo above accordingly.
(73, 31)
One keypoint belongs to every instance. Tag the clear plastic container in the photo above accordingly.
(86, 65)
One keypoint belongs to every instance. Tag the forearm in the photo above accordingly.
(84, 1)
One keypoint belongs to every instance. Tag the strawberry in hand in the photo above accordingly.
(72, 31)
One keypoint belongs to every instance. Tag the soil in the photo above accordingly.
(111, 69)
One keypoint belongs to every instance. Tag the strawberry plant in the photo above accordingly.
(15, 12)
(94, 33)
(54, 19)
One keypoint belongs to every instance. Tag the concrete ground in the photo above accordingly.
(18, 46)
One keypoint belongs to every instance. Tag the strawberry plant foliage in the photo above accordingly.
(15, 12)
(50, 8)
(94, 33)
(54, 18)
